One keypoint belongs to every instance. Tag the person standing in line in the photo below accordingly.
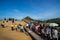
(37, 28)
(55, 34)
(40, 30)
(31, 25)
(43, 32)
(27, 25)
(33, 28)
(18, 27)
(48, 31)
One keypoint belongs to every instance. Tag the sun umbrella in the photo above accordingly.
(53, 24)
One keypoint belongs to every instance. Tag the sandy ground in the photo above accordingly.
(8, 34)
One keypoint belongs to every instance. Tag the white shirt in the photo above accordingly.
(48, 30)
(55, 33)
(27, 24)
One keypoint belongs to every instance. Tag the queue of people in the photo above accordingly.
(46, 32)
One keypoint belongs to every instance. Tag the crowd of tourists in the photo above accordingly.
(44, 31)
(14, 26)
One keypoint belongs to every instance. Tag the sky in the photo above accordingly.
(36, 9)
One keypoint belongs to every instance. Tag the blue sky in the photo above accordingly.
(36, 9)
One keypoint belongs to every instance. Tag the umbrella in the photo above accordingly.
(53, 24)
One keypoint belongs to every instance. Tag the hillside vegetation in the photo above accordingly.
(54, 20)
